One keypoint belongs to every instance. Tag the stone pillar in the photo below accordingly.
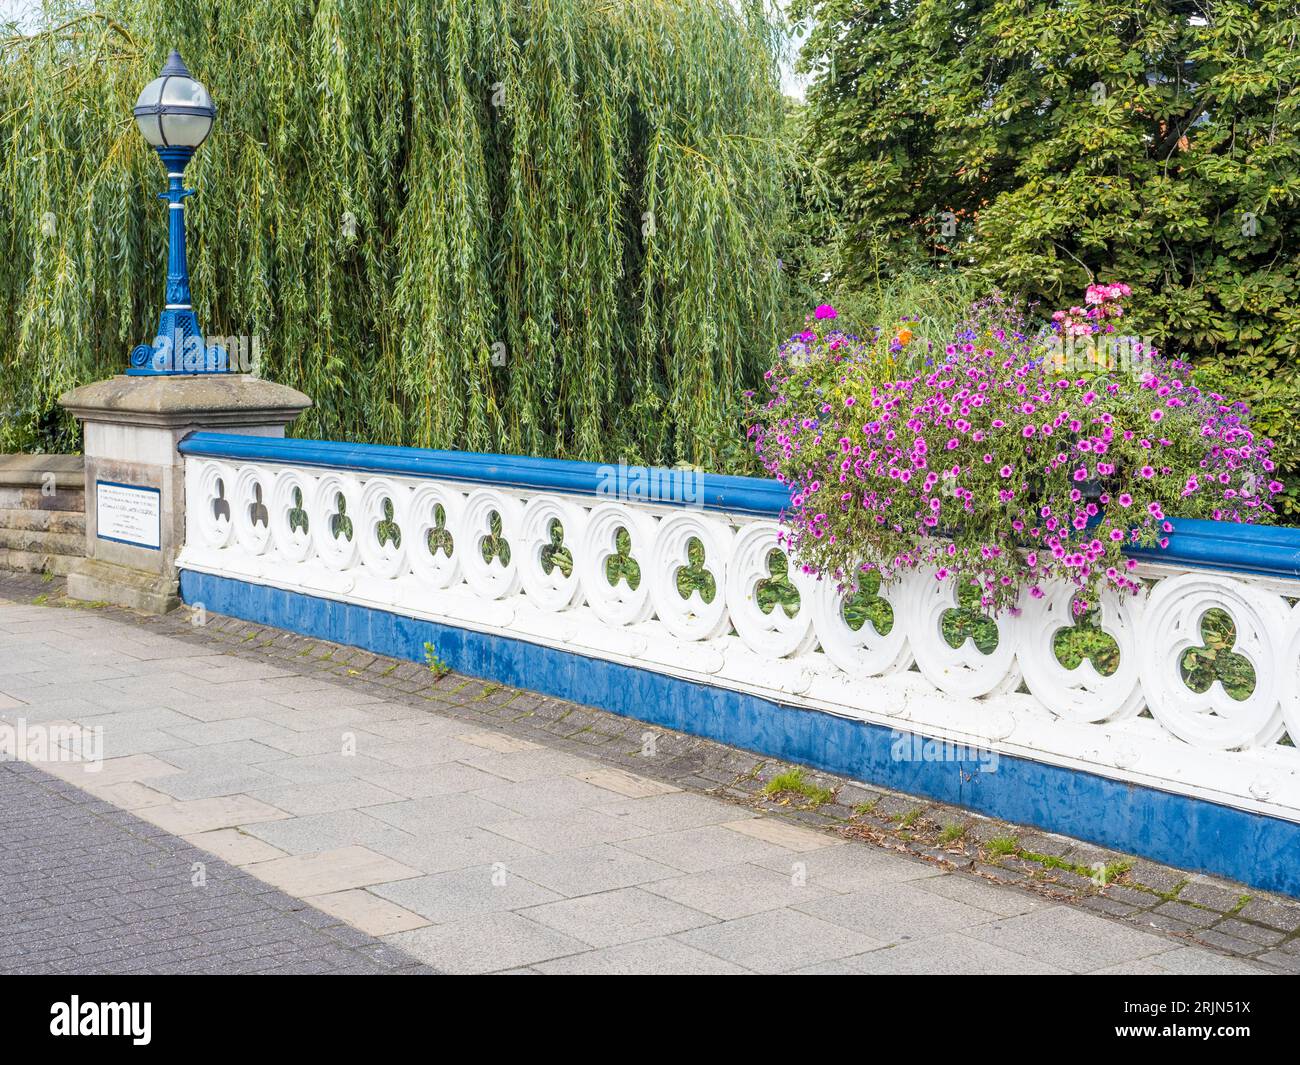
(135, 477)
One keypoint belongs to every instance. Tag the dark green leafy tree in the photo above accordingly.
(538, 226)
(1045, 143)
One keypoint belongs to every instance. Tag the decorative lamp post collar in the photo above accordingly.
(175, 113)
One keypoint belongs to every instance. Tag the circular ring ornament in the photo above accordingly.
(550, 591)
(494, 577)
(336, 521)
(963, 671)
(864, 652)
(1082, 694)
(250, 506)
(384, 514)
(690, 618)
(439, 567)
(775, 634)
(619, 603)
(1171, 626)
(215, 483)
(291, 532)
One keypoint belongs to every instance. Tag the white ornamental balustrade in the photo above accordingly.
(1194, 684)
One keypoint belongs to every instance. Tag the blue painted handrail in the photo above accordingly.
(744, 495)
(1267, 550)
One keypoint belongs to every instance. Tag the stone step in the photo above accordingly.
(70, 500)
(32, 562)
(33, 471)
(54, 521)
(33, 541)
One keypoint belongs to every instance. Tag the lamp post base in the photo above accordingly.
(179, 348)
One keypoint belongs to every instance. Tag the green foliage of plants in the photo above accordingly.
(1215, 660)
(1042, 146)
(499, 225)
(555, 555)
(1000, 846)
(1087, 641)
(776, 589)
(795, 782)
(865, 604)
(436, 665)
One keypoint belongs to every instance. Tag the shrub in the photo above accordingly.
(990, 462)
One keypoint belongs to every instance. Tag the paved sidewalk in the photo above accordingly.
(453, 833)
(89, 888)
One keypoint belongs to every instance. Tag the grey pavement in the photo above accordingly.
(458, 836)
(86, 887)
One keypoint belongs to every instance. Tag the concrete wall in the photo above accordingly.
(42, 512)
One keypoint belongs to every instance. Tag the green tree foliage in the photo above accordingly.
(1044, 143)
(394, 188)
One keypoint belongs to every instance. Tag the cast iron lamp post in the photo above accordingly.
(175, 114)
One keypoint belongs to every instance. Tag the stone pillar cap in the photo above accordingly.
(215, 401)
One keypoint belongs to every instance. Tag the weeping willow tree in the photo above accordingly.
(535, 226)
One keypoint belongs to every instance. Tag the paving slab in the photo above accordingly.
(737, 890)
(694, 850)
(203, 815)
(546, 798)
(326, 798)
(368, 912)
(672, 812)
(575, 830)
(981, 894)
(140, 768)
(449, 778)
(654, 957)
(949, 954)
(586, 870)
(896, 913)
(320, 832)
(1072, 939)
(783, 834)
(849, 868)
(228, 778)
(462, 893)
(440, 813)
(779, 941)
(623, 915)
(328, 871)
(234, 846)
(499, 742)
(492, 943)
(629, 785)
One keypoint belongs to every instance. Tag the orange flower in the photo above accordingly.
(905, 337)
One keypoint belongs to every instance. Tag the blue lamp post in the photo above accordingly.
(175, 114)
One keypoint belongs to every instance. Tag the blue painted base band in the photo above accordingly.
(1178, 830)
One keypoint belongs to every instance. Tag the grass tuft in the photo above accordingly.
(794, 782)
